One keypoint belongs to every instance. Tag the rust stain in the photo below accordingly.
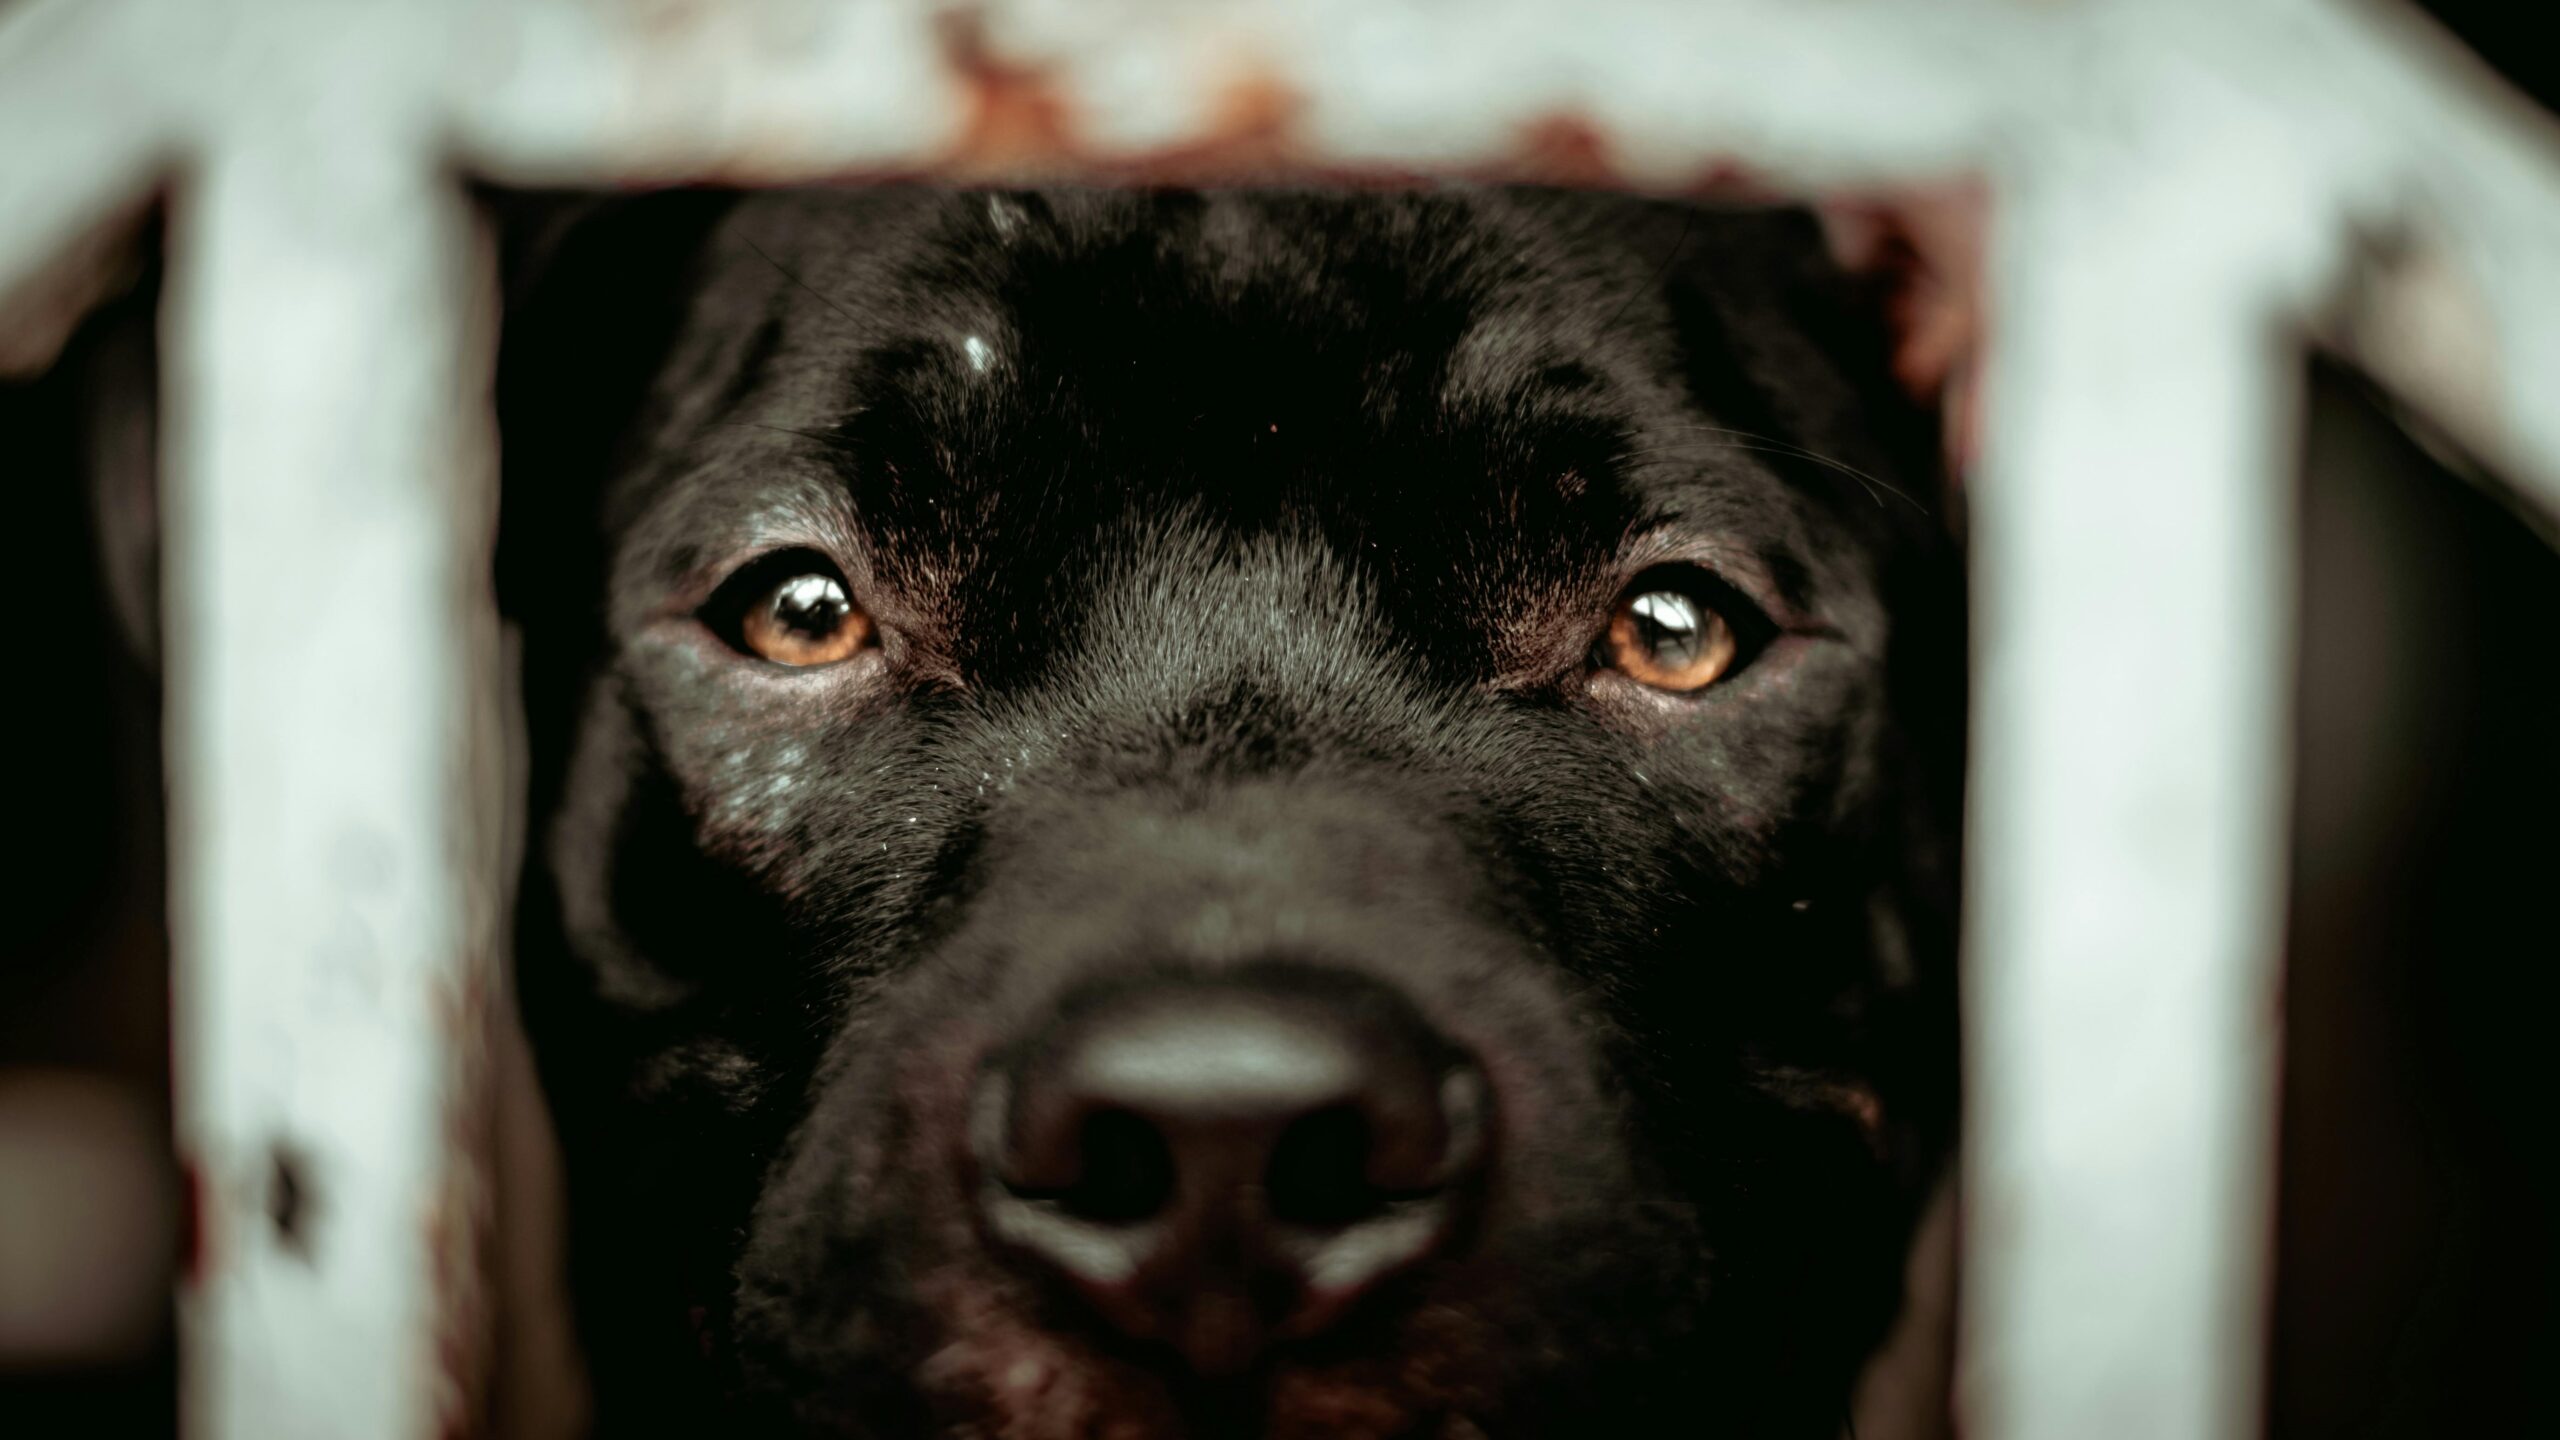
(194, 1255)
(1017, 119)
(459, 1220)
(1733, 181)
(1250, 133)
(1566, 148)
(1923, 246)
(1563, 149)
(1021, 125)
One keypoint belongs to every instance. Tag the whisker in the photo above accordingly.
(1754, 441)
(780, 269)
(832, 442)
(1669, 257)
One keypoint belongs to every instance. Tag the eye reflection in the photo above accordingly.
(1669, 639)
(806, 620)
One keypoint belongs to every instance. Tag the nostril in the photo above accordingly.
(1319, 1171)
(1126, 1173)
(1227, 1164)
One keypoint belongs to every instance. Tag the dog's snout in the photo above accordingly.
(1218, 1165)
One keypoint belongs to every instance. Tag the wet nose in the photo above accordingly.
(1221, 1164)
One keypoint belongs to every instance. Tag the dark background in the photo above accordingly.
(2416, 1279)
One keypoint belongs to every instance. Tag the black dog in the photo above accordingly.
(1237, 814)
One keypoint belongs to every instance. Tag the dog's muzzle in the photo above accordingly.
(1221, 1164)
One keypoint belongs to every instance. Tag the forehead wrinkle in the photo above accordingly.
(1193, 607)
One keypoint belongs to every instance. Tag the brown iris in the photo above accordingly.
(1669, 639)
(807, 619)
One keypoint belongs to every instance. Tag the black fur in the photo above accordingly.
(1254, 576)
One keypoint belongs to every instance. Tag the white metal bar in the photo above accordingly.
(80, 121)
(785, 89)
(81, 141)
(334, 878)
(2384, 116)
(2133, 564)
(2421, 148)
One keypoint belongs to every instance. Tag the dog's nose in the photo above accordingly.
(1221, 1165)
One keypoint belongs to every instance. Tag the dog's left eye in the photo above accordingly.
(792, 609)
(1674, 632)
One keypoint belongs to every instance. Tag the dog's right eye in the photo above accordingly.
(792, 609)
(1679, 630)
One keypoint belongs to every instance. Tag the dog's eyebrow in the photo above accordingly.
(1731, 438)
(1769, 574)
(817, 437)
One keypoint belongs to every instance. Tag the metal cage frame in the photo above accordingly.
(2184, 192)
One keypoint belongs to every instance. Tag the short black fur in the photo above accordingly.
(1237, 553)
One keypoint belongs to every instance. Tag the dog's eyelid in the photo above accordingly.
(765, 565)
(1681, 629)
(793, 607)
(1743, 595)
(1742, 572)
(685, 588)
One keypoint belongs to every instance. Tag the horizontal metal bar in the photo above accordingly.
(2387, 121)
(80, 143)
(768, 91)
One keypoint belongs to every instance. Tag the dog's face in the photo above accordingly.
(1197, 815)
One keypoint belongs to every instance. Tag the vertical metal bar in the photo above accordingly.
(334, 874)
(2133, 571)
